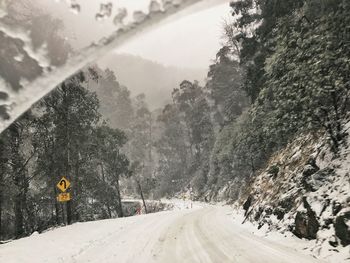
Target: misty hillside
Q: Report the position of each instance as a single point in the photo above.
(266, 132)
(157, 81)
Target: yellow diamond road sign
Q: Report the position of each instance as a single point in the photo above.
(63, 184)
(63, 197)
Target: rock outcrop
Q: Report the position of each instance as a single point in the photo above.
(305, 189)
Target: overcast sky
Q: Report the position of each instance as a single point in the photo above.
(191, 41)
(188, 40)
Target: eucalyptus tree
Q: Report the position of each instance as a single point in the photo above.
(113, 162)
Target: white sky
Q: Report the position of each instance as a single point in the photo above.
(191, 41)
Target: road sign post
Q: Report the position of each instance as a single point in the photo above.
(65, 197)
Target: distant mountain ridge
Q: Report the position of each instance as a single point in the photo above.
(153, 79)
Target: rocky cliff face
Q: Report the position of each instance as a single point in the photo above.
(305, 190)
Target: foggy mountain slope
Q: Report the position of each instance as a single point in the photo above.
(155, 80)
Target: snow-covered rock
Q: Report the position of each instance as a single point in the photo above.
(308, 195)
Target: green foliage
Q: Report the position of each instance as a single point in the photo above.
(224, 87)
(63, 135)
(186, 141)
(295, 70)
(254, 45)
(308, 79)
(273, 170)
(116, 105)
(293, 65)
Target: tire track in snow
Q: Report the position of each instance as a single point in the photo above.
(202, 235)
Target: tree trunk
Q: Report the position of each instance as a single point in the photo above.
(109, 211)
(77, 190)
(57, 208)
(67, 164)
(2, 171)
(142, 197)
(20, 202)
(63, 213)
(69, 212)
(1, 208)
(107, 199)
(119, 199)
(19, 229)
(252, 164)
(150, 140)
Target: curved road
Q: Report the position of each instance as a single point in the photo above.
(206, 234)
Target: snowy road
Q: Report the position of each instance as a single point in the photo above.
(206, 234)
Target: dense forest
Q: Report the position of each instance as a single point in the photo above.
(283, 71)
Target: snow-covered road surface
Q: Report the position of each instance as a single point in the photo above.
(202, 234)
